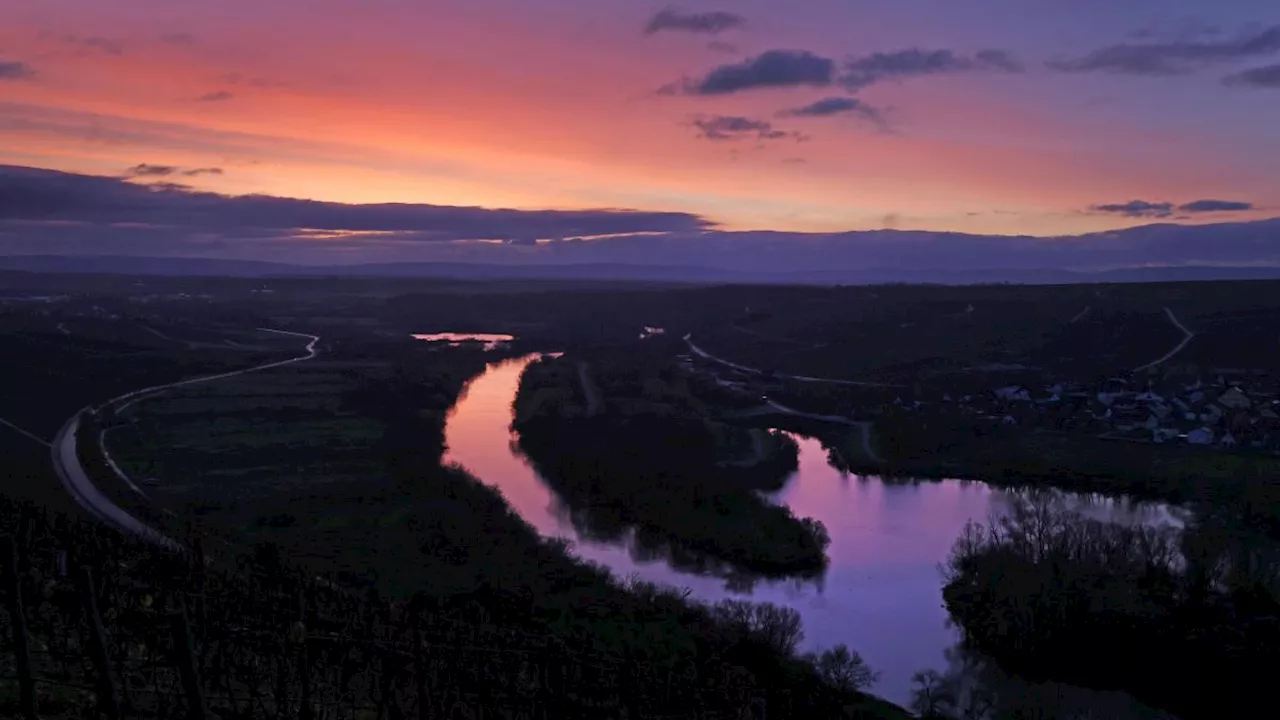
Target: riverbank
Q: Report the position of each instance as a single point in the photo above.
(411, 528)
(1014, 457)
(266, 634)
(1181, 623)
(639, 453)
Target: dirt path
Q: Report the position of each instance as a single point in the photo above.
(799, 378)
(24, 432)
(1187, 337)
(863, 426)
(589, 390)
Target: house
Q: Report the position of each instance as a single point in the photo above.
(1013, 392)
(1235, 399)
(1200, 436)
(1212, 415)
(1115, 385)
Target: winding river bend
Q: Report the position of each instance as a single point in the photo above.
(881, 594)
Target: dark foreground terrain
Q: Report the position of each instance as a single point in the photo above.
(113, 625)
(346, 573)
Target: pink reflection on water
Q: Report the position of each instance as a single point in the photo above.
(881, 594)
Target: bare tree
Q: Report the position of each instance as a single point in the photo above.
(843, 668)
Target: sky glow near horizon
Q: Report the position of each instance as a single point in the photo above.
(996, 117)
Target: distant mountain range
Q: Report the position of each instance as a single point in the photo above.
(200, 267)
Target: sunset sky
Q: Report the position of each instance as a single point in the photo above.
(1002, 117)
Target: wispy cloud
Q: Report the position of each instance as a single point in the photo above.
(802, 68)
(1267, 76)
(833, 106)
(771, 69)
(1148, 209)
(867, 70)
(217, 96)
(1207, 206)
(736, 127)
(707, 23)
(1172, 58)
(14, 70)
(1136, 209)
(149, 170)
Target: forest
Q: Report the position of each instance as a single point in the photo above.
(1163, 614)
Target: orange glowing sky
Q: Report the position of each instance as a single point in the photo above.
(553, 105)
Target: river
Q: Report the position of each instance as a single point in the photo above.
(881, 595)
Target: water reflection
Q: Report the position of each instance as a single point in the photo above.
(881, 594)
(975, 688)
(490, 341)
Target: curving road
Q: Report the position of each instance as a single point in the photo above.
(756, 371)
(66, 461)
(863, 426)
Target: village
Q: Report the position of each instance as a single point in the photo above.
(1221, 408)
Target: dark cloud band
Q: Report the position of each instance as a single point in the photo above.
(1267, 76)
(771, 69)
(28, 194)
(14, 70)
(1172, 58)
(797, 68)
(735, 127)
(1148, 209)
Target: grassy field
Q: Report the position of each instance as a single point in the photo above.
(906, 333)
(228, 449)
(54, 363)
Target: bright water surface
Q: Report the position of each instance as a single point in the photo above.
(490, 340)
(882, 593)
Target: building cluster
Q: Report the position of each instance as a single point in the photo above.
(1223, 408)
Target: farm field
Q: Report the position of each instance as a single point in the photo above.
(906, 333)
(238, 453)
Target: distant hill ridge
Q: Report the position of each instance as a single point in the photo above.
(210, 267)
